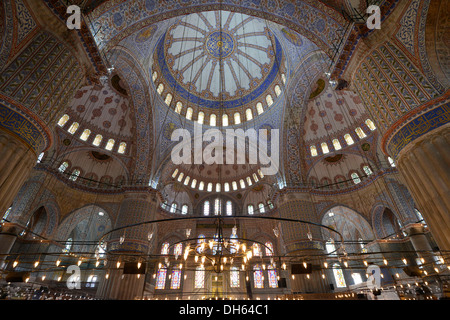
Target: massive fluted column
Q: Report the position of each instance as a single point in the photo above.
(425, 165)
(137, 206)
(299, 206)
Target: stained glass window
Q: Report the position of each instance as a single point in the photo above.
(63, 167)
(370, 124)
(355, 178)
(226, 187)
(233, 240)
(339, 276)
(173, 208)
(391, 162)
(201, 117)
(257, 250)
(212, 120)
(178, 107)
(176, 279)
(367, 170)
(336, 144)
(360, 133)
(184, 209)
(259, 108)
(154, 76)
(234, 185)
(225, 120)
(261, 208)
(258, 278)
(180, 177)
(269, 248)
(178, 250)
(168, 99)
(260, 173)
(272, 273)
(242, 183)
(110, 144)
(189, 112)
(186, 181)
(200, 240)
(218, 187)
(209, 187)
(250, 209)
(324, 147)
(234, 277)
(255, 177)
(161, 278)
(194, 183)
(269, 100)
(277, 90)
(85, 135)
(249, 181)
(160, 88)
(237, 118)
(165, 248)
(248, 114)
(63, 120)
(206, 208)
(201, 186)
(74, 175)
(174, 174)
(313, 151)
(348, 138)
(199, 278)
(98, 139)
(229, 208)
(73, 128)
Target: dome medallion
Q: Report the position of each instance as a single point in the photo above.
(219, 44)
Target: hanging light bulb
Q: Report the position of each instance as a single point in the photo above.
(211, 244)
(79, 262)
(36, 264)
(139, 264)
(203, 259)
(138, 275)
(422, 260)
(107, 276)
(305, 265)
(122, 239)
(43, 277)
(283, 266)
(346, 263)
(118, 264)
(365, 263)
(150, 236)
(59, 278)
(385, 262)
(293, 277)
(436, 269)
(97, 263)
(307, 276)
(196, 258)
(325, 264)
(323, 276)
(15, 263)
(405, 261)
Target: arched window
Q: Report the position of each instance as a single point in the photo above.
(234, 277)
(313, 151)
(201, 186)
(269, 100)
(73, 128)
(269, 248)
(184, 209)
(194, 183)
(92, 279)
(242, 183)
(283, 77)
(199, 277)
(165, 248)
(154, 76)
(270, 204)
(101, 249)
(189, 113)
(168, 99)
(174, 174)
(237, 118)
(250, 209)
(217, 207)
(225, 120)
(367, 170)
(122, 147)
(272, 273)
(277, 90)
(255, 177)
(180, 177)
(186, 181)
(261, 207)
(206, 208)
(85, 135)
(248, 114)
(178, 250)
(161, 278)
(258, 278)
(336, 144)
(173, 207)
(63, 167)
(176, 279)
(234, 185)
(226, 187)
(218, 187)
(355, 178)
(160, 88)
(348, 138)
(338, 276)
(200, 240)
(209, 187)
(229, 208)
(63, 120)
(370, 124)
(233, 240)
(361, 134)
(249, 181)
(259, 108)
(201, 117)
(110, 144)
(212, 120)
(260, 173)
(324, 146)
(330, 247)
(391, 162)
(74, 175)
(98, 139)
(178, 107)
(39, 159)
(257, 250)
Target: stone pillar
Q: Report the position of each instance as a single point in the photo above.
(425, 165)
(299, 206)
(8, 235)
(137, 206)
(419, 241)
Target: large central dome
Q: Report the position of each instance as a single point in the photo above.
(219, 59)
